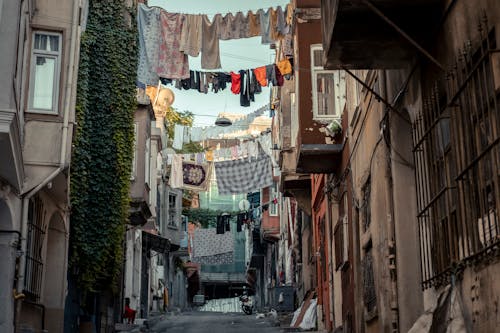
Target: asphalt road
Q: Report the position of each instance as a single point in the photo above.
(214, 322)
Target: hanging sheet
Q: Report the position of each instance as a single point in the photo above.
(244, 175)
(172, 63)
(148, 25)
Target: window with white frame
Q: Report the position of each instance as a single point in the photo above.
(45, 72)
(328, 87)
(274, 198)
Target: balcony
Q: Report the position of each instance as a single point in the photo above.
(11, 167)
(376, 34)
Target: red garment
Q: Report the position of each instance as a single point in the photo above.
(235, 83)
(129, 314)
(260, 75)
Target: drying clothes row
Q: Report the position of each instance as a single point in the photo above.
(166, 39)
(189, 175)
(184, 134)
(246, 83)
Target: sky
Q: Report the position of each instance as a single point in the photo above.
(236, 54)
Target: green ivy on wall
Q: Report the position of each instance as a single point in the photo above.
(102, 150)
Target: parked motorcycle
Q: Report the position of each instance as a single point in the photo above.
(246, 304)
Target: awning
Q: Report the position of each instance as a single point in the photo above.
(156, 243)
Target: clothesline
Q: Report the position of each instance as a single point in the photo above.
(166, 39)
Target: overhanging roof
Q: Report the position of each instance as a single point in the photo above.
(319, 158)
(156, 243)
(11, 165)
(357, 35)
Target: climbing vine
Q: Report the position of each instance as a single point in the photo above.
(102, 150)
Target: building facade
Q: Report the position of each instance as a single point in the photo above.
(39, 64)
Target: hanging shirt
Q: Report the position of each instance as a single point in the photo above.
(260, 75)
(191, 35)
(148, 25)
(225, 28)
(235, 83)
(253, 24)
(172, 63)
(210, 54)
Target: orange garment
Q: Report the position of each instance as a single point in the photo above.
(260, 75)
(235, 83)
(209, 155)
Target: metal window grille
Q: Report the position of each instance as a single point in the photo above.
(369, 294)
(172, 209)
(34, 258)
(457, 155)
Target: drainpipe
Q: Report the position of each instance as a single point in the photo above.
(391, 228)
(26, 195)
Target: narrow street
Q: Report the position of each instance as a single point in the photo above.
(194, 322)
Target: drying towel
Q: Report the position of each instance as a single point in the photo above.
(148, 25)
(172, 63)
(210, 54)
(244, 175)
(190, 42)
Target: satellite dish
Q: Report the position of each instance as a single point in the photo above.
(244, 204)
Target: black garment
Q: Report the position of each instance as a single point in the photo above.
(220, 225)
(255, 87)
(165, 81)
(239, 221)
(246, 93)
(227, 219)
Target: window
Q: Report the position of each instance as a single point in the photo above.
(329, 89)
(274, 196)
(34, 260)
(456, 143)
(341, 235)
(45, 73)
(172, 209)
(147, 162)
(369, 292)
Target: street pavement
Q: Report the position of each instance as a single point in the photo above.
(214, 322)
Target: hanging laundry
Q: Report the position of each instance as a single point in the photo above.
(203, 83)
(240, 26)
(273, 26)
(279, 78)
(265, 25)
(194, 80)
(210, 54)
(240, 218)
(195, 176)
(260, 75)
(243, 175)
(176, 175)
(226, 31)
(245, 89)
(172, 63)
(148, 25)
(281, 27)
(227, 222)
(209, 155)
(255, 87)
(235, 83)
(253, 24)
(178, 136)
(234, 152)
(187, 135)
(196, 134)
(271, 75)
(191, 35)
(220, 227)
